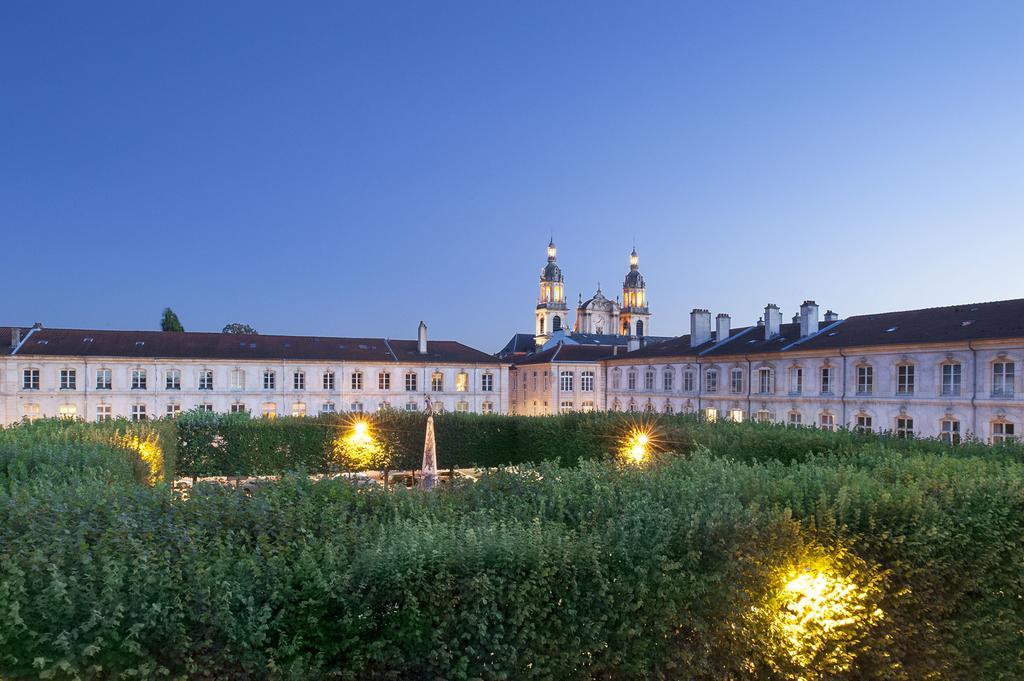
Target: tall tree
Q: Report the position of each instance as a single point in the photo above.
(235, 327)
(170, 321)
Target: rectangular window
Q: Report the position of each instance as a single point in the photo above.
(951, 376)
(104, 379)
(863, 423)
(631, 380)
(172, 380)
(269, 410)
(649, 380)
(328, 380)
(1002, 432)
(688, 381)
(1002, 379)
(104, 412)
(410, 382)
(795, 418)
(736, 381)
(667, 378)
(357, 407)
(616, 380)
(865, 380)
(327, 408)
(587, 406)
(827, 421)
(67, 411)
(356, 380)
(299, 409)
(764, 381)
(138, 412)
(566, 405)
(462, 407)
(384, 381)
(299, 380)
(411, 406)
(461, 382)
(796, 381)
(270, 382)
(207, 407)
(238, 379)
(206, 380)
(238, 408)
(711, 381)
(487, 383)
(68, 379)
(437, 382)
(139, 379)
(173, 410)
(710, 414)
(587, 381)
(950, 431)
(904, 427)
(763, 416)
(487, 408)
(566, 381)
(736, 415)
(30, 379)
(826, 380)
(905, 379)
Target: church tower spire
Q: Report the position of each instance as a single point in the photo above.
(634, 316)
(552, 312)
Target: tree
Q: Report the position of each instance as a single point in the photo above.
(170, 321)
(235, 327)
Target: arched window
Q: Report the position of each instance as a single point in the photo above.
(541, 326)
(556, 323)
(640, 327)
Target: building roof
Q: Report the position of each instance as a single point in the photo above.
(193, 345)
(563, 352)
(520, 343)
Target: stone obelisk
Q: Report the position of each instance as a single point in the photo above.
(428, 474)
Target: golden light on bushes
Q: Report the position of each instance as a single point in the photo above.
(636, 447)
(360, 433)
(148, 449)
(357, 449)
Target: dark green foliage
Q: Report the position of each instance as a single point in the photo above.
(170, 322)
(235, 327)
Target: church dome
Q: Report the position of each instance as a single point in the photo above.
(551, 272)
(634, 280)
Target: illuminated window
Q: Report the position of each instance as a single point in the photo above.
(649, 380)
(410, 382)
(357, 407)
(461, 382)
(796, 380)
(269, 410)
(711, 381)
(139, 379)
(206, 406)
(299, 409)
(437, 382)
(172, 379)
(32, 412)
(951, 376)
(736, 415)
(631, 380)
(905, 379)
(863, 424)
(565, 381)
(173, 410)
(30, 379)
(827, 421)
(70, 411)
(904, 427)
(566, 405)
(1002, 379)
(865, 380)
(238, 408)
(298, 380)
(1002, 432)
(104, 379)
(68, 379)
(104, 412)
(270, 381)
(328, 380)
(487, 382)
(206, 380)
(688, 381)
(667, 378)
(384, 381)
(487, 408)
(587, 381)
(827, 374)
(736, 381)
(763, 416)
(462, 407)
(949, 431)
(795, 418)
(327, 408)
(238, 379)
(138, 412)
(765, 381)
(710, 414)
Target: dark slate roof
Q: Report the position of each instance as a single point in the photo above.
(7, 336)
(191, 345)
(607, 339)
(953, 324)
(520, 343)
(567, 353)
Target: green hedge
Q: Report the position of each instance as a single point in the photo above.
(592, 572)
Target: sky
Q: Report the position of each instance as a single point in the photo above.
(349, 169)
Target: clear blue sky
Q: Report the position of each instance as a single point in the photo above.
(333, 168)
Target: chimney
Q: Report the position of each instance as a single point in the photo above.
(15, 338)
(700, 327)
(722, 322)
(808, 318)
(831, 316)
(796, 318)
(772, 320)
(423, 338)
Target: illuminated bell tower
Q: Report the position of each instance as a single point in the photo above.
(634, 316)
(552, 312)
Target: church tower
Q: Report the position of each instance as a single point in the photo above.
(634, 316)
(552, 312)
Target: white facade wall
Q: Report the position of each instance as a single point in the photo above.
(539, 389)
(17, 403)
